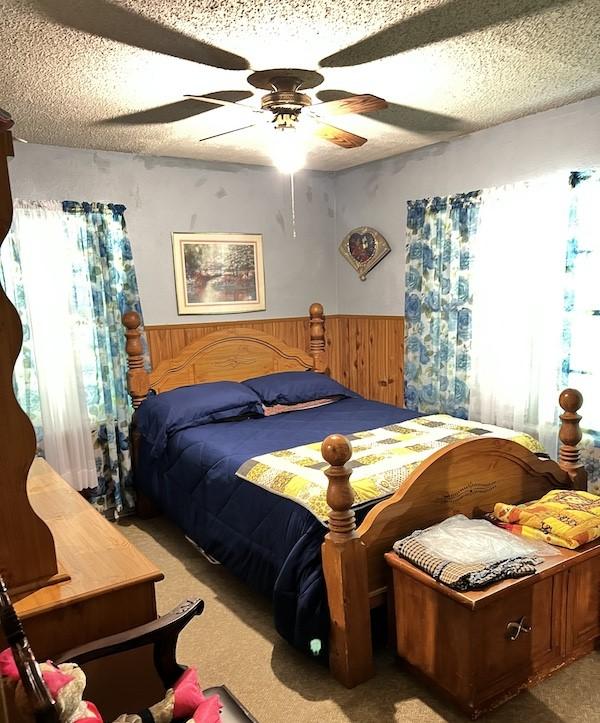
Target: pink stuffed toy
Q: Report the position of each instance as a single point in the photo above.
(186, 701)
(65, 683)
(8, 667)
(209, 711)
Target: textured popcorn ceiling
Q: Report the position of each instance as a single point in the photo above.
(448, 66)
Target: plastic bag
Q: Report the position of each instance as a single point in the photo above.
(460, 539)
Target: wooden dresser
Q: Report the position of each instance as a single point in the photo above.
(111, 586)
(481, 648)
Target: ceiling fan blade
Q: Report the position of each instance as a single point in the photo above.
(212, 99)
(402, 116)
(115, 22)
(451, 19)
(342, 138)
(172, 112)
(352, 104)
(225, 133)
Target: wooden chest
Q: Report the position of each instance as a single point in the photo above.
(481, 648)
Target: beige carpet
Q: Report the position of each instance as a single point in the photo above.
(234, 642)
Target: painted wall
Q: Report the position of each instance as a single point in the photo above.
(375, 194)
(167, 194)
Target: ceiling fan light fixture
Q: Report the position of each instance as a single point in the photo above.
(287, 148)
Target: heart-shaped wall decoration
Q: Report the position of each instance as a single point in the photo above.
(363, 248)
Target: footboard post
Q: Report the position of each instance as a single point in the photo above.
(345, 570)
(569, 457)
(317, 337)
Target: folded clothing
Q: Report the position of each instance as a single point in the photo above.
(567, 518)
(473, 542)
(462, 576)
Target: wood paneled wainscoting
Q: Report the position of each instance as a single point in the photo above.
(366, 353)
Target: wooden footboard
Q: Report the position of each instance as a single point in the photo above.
(468, 478)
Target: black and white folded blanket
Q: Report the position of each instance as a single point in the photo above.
(460, 576)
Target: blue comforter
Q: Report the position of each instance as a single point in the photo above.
(269, 541)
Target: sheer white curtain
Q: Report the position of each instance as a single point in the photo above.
(46, 252)
(518, 278)
(582, 310)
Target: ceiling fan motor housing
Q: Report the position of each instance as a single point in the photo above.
(284, 86)
(285, 101)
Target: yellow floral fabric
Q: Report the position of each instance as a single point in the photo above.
(382, 459)
(562, 517)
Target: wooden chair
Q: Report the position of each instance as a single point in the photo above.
(162, 634)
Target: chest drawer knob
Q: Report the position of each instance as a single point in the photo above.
(513, 630)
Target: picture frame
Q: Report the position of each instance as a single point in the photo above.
(218, 273)
(363, 248)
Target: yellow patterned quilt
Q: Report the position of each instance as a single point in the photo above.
(382, 459)
(567, 518)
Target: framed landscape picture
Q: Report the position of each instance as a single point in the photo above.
(218, 273)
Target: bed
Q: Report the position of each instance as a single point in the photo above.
(324, 579)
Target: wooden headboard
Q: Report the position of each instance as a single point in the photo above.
(232, 355)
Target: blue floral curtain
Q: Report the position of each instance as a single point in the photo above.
(581, 320)
(99, 281)
(104, 287)
(438, 303)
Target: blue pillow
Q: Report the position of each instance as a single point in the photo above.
(160, 416)
(296, 387)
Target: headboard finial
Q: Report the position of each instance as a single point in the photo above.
(138, 379)
(317, 337)
(131, 320)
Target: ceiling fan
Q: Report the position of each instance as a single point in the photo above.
(290, 113)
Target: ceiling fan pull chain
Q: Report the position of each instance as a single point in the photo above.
(293, 205)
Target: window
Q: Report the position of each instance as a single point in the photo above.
(581, 333)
